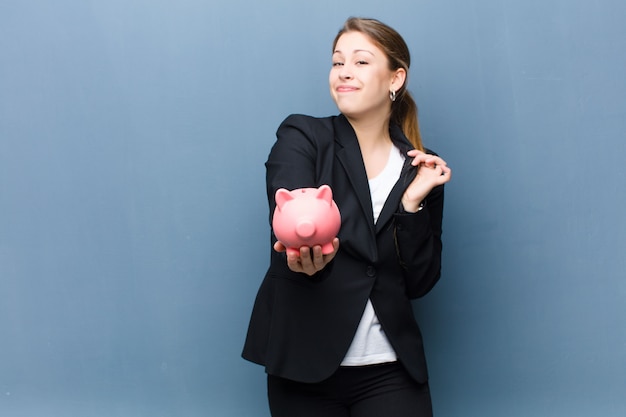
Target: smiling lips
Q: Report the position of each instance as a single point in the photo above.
(346, 89)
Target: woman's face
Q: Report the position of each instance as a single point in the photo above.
(360, 79)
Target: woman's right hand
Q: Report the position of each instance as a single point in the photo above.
(310, 260)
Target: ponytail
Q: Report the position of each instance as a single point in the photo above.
(404, 114)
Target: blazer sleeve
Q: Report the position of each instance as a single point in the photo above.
(293, 159)
(418, 244)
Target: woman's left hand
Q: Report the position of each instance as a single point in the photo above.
(432, 172)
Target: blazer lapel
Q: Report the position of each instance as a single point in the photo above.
(349, 155)
(406, 176)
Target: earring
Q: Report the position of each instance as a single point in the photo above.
(392, 95)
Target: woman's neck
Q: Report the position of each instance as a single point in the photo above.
(374, 142)
(371, 132)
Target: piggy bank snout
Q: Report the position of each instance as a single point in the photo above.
(305, 229)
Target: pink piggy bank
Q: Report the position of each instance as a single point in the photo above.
(306, 217)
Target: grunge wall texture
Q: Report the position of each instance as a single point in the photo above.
(133, 220)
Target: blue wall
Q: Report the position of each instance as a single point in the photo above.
(133, 221)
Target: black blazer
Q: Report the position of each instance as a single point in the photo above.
(301, 327)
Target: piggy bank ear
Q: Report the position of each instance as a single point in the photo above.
(282, 196)
(325, 193)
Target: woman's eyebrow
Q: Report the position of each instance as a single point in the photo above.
(337, 51)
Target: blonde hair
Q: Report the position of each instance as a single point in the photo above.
(404, 108)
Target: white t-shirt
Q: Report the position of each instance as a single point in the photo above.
(370, 344)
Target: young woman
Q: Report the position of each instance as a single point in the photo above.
(336, 333)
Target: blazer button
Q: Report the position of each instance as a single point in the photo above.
(371, 271)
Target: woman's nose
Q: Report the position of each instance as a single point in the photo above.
(345, 75)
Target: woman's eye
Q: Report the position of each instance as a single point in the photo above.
(361, 62)
(336, 64)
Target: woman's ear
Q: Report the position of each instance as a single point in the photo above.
(398, 80)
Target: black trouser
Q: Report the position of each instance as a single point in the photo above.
(384, 390)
